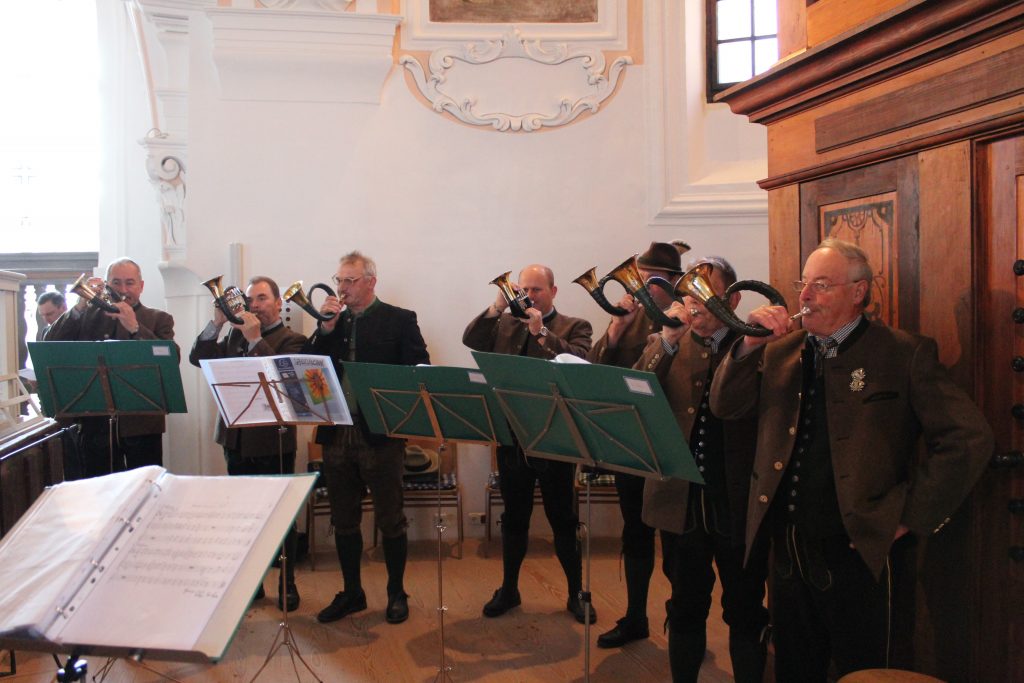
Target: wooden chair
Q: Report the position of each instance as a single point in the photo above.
(492, 496)
(421, 489)
(602, 489)
(319, 506)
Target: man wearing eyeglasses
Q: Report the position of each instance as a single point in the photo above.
(837, 484)
(367, 330)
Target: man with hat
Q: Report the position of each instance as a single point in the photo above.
(545, 334)
(621, 346)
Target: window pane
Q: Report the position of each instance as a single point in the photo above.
(733, 19)
(734, 62)
(49, 128)
(766, 53)
(765, 18)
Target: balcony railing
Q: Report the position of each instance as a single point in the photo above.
(43, 272)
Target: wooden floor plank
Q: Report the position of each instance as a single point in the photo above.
(539, 641)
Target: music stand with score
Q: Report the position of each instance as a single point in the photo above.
(441, 404)
(596, 416)
(286, 400)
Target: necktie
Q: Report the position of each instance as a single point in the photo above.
(823, 348)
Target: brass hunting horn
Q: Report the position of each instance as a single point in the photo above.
(103, 300)
(696, 283)
(628, 275)
(230, 301)
(517, 300)
(296, 295)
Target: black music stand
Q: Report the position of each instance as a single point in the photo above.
(290, 403)
(595, 416)
(438, 404)
(108, 379)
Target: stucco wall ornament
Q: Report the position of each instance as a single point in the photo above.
(513, 84)
(167, 175)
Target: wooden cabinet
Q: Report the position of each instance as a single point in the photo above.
(906, 134)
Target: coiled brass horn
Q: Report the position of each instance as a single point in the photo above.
(696, 283)
(595, 288)
(103, 300)
(296, 295)
(628, 275)
(517, 300)
(230, 301)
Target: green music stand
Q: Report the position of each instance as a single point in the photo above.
(108, 379)
(592, 415)
(428, 402)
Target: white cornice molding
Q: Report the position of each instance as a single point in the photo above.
(581, 87)
(162, 29)
(302, 55)
(675, 122)
(609, 32)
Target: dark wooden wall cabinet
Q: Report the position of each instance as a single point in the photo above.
(905, 133)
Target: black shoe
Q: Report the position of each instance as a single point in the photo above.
(342, 605)
(260, 593)
(625, 631)
(501, 602)
(575, 605)
(290, 598)
(398, 608)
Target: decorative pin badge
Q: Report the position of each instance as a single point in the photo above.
(857, 377)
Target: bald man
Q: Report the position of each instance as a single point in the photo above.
(140, 437)
(545, 333)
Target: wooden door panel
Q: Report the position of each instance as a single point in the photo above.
(877, 208)
(999, 580)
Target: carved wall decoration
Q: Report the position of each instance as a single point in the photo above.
(514, 84)
(167, 175)
(870, 223)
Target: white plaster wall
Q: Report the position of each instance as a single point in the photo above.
(443, 207)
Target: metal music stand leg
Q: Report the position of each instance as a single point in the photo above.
(585, 593)
(108, 665)
(110, 442)
(284, 636)
(443, 668)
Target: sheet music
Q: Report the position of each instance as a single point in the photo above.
(175, 565)
(305, 389)
(245, 403)
(45, 554)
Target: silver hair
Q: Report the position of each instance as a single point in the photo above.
(860, 266)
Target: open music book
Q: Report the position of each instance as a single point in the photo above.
(299, 389)
(142, 562)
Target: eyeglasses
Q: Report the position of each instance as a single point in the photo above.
(347, 281)
(818, 286)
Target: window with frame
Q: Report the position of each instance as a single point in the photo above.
(742, 41)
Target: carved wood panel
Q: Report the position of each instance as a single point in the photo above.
(870, 223)
(876, 208)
